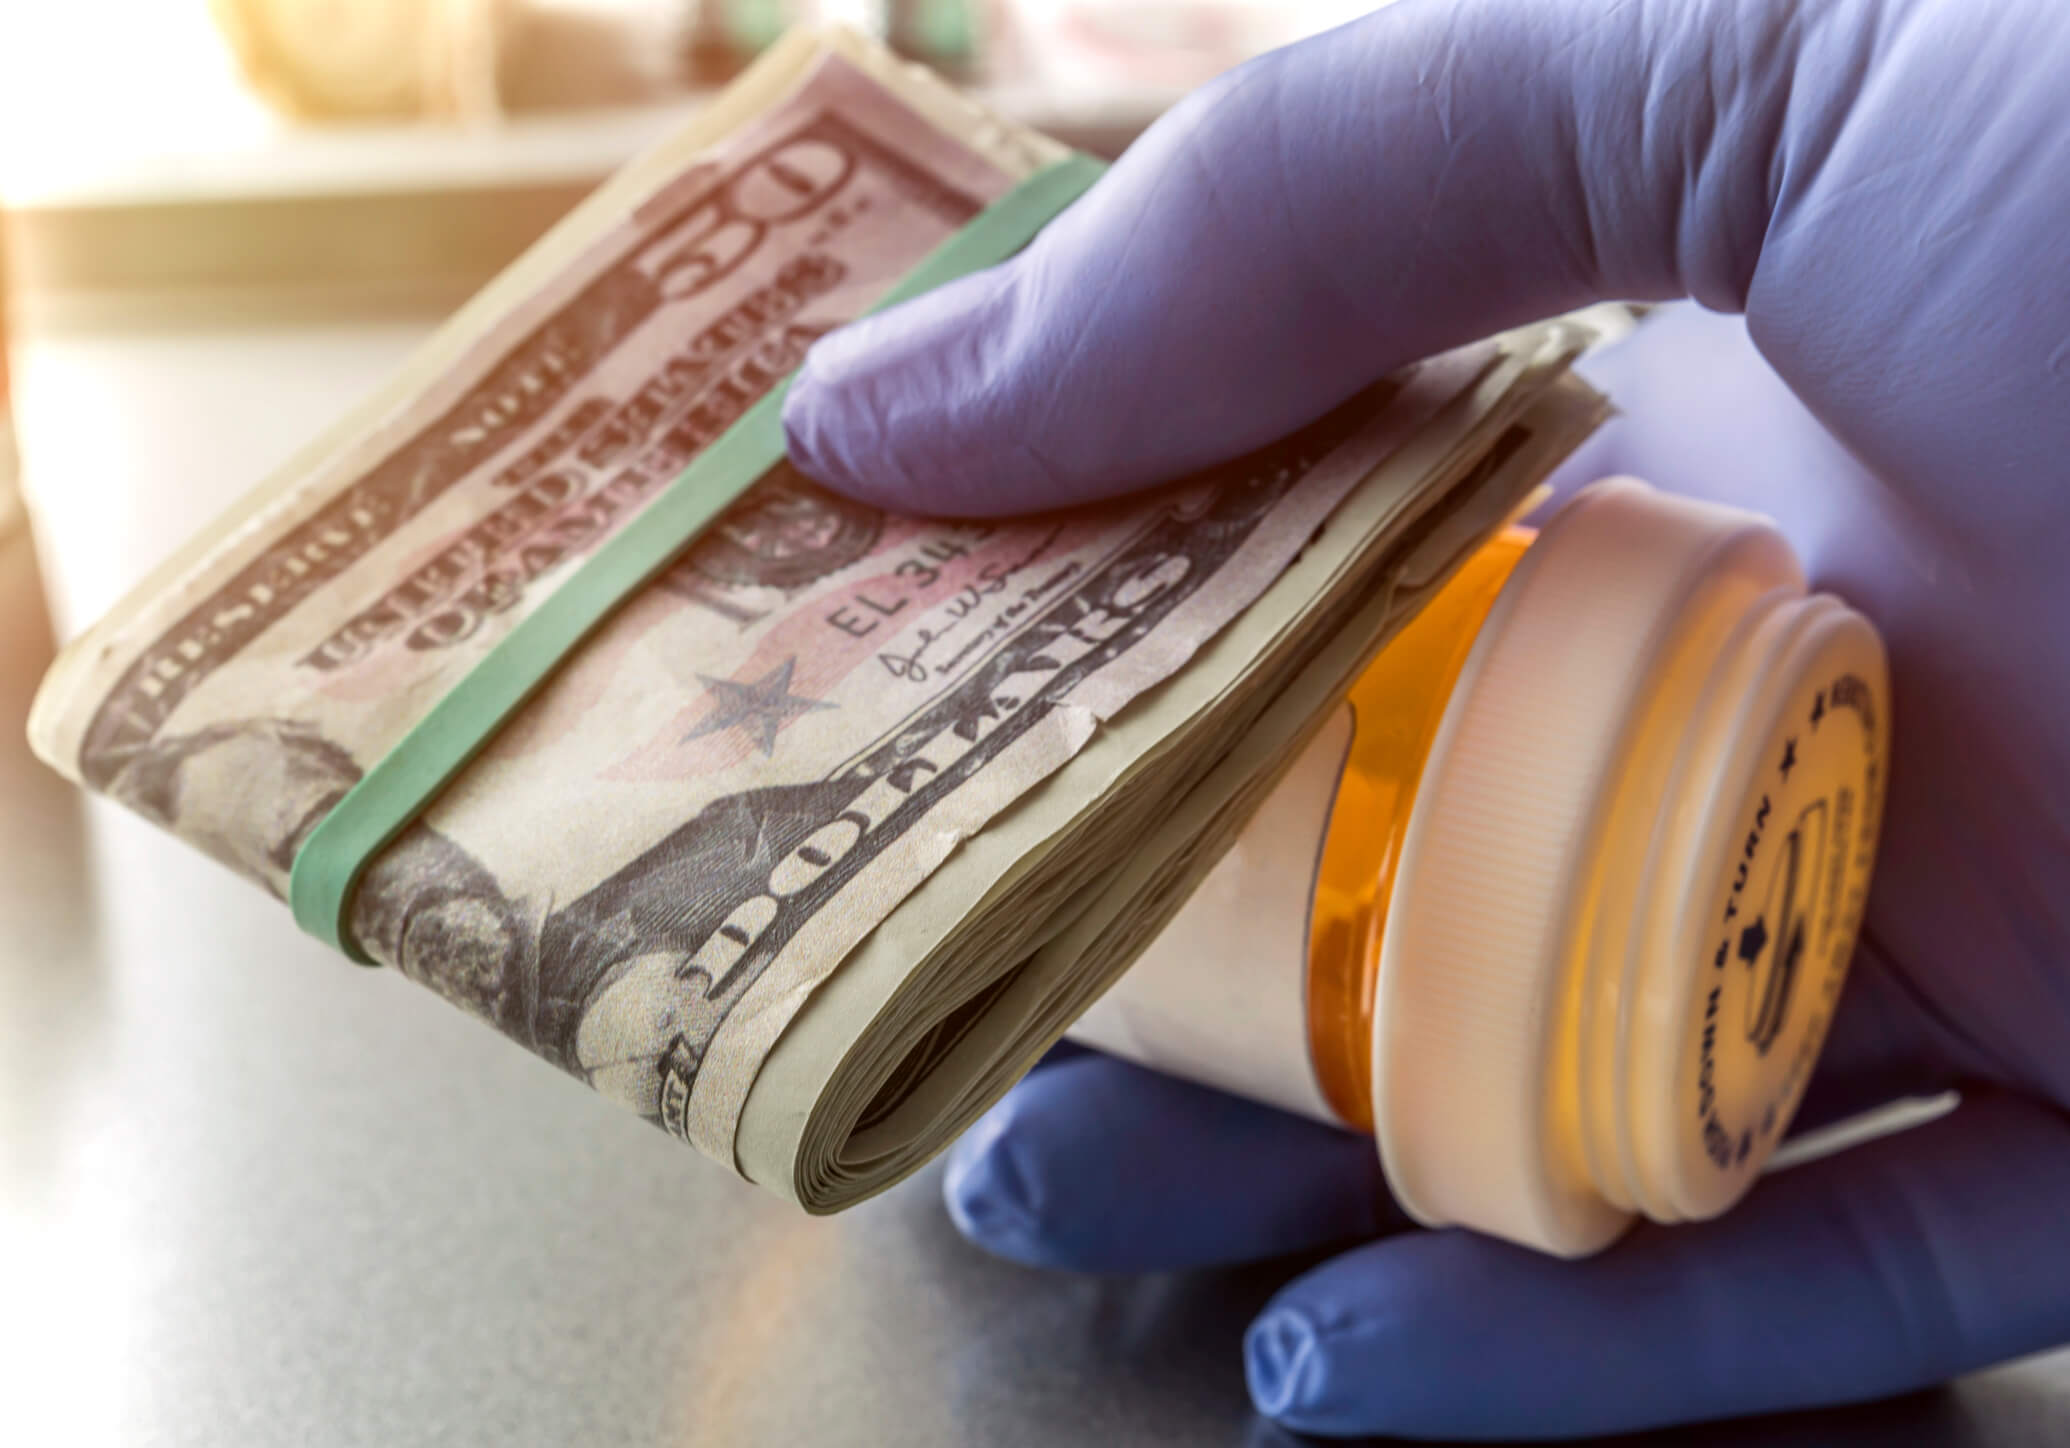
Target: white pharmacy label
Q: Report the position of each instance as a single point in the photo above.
(1221, 996)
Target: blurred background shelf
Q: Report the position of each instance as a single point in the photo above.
(158, 162)
(398, 214)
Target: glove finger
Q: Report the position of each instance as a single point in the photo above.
(1097, 1164)
(1887, 1268)
(1308, 223)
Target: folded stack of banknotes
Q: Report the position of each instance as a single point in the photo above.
(826, 832)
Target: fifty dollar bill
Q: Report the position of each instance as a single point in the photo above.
(826, 835)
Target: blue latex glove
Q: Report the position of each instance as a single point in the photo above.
(1883, 188)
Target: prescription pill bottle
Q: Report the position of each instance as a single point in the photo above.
(1558, 902)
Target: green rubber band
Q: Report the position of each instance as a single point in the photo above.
(402, 784)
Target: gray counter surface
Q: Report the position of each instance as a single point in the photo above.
(251, 1195)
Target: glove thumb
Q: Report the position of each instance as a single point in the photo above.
(1886, 1268)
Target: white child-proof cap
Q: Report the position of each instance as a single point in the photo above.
(1632, 879)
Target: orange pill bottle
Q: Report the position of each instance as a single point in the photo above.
(1558, 902)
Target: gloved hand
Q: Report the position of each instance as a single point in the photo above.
(1880, 186)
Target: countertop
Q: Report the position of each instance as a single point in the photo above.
(252, 1195)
